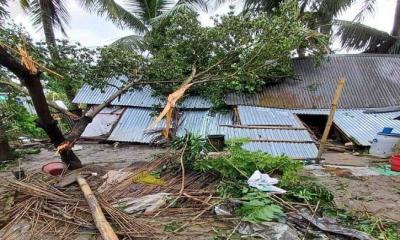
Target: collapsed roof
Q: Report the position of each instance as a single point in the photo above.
(274, 129)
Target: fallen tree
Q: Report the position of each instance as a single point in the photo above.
(32, 83)
(239, 54)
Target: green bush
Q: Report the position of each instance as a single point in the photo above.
(17, 120)
(241, 164)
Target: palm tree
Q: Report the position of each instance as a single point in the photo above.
(316, 14)
(355, 35)
(53, 14)
(149, 11)
(3, 11)
(352, 34)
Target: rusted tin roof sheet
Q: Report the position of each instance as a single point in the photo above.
(371, 81)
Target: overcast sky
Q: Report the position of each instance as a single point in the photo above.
(91, 30)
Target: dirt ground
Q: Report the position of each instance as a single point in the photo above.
(361, 190)
(107, 155)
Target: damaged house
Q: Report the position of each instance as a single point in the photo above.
(281, 119)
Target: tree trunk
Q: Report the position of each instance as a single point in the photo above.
(45, 120)
(48, 29)
(5, 149)
(396, 23)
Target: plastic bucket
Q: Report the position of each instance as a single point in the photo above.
(395, 163)
(54, 168)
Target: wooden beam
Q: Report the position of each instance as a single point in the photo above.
(100, 220)
(331, 116)
(264, 127)
(280, 141)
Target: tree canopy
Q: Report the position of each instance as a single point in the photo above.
(241, 53)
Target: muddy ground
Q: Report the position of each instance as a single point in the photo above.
(110, 156)
(378, 195)
(361, 191)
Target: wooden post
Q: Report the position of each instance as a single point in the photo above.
(102, 224)
(331, 116)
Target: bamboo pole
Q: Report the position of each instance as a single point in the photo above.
(331, 116)
(100, 220)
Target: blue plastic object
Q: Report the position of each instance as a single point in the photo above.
(387, 130)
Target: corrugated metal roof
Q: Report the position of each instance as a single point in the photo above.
(293, 150)
(266, 134)
(102, 123)
(371, 81)
(203, 123)
(362, 127)
(139, 97)
(267, 116)
(357, 125)
(132, 126)
(294, 143)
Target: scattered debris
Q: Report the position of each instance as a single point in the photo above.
(182, 194)
(113, 177)
(330, 225)
(264, 183)
(268, 231)
(147, 204)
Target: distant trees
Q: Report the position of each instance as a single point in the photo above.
(355, 35)
(322, 15)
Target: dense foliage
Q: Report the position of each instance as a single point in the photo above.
(241, 164)
(16, 120)
(241, 53)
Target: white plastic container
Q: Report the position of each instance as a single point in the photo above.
(383, 144)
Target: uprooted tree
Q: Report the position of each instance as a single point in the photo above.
(241, 53)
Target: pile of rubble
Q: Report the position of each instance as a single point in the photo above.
(155, 200)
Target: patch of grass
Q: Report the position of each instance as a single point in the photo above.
(310, 192)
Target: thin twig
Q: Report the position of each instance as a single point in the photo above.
(234, 230)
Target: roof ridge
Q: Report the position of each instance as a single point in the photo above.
(351, 55)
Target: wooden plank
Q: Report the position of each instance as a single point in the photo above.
(264, 127)
(280, 141)
(100, 220)
(331, 116)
